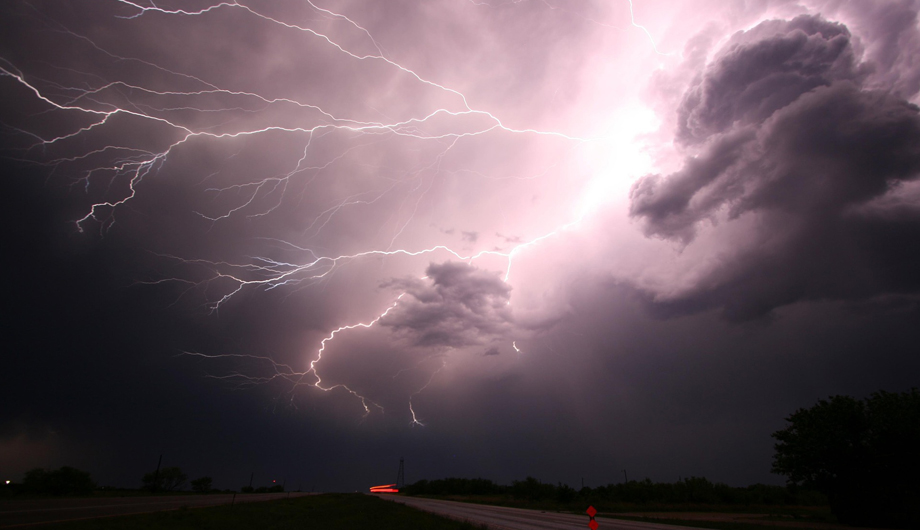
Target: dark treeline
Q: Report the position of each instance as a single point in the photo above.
(693, 490)
(63, 481)
(69, 481)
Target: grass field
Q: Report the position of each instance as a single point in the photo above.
(332, 511)
(803, 513)
(713, 525)
(773, 516)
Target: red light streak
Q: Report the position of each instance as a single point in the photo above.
(386, 488)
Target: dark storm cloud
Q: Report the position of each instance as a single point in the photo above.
(509, 239)
(763, 70)
(791, 135)
(892, 43)
(97, 320)
(456, 305)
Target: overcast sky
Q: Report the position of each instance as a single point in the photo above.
(497, 238)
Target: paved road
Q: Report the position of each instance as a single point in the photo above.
(32, 512)
(501, 518)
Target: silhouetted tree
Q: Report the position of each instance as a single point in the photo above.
(454, 486)
(168, 479)
(532, 489)
(693, 490)
(201, 485)
(863, 454)
(64, 481)
(565, 494)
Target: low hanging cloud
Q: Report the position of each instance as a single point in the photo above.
(456, 305)
(794, 133)
(892, 42)
(491, 351)
(763, 70)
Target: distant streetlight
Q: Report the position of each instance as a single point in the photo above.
(7, 481)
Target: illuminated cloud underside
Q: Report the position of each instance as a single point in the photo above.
(430, 179)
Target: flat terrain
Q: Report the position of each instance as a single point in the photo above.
(329, 511)
(504, 518)
(727, 521)
(14, 513)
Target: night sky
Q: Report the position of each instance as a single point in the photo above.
(497, 238)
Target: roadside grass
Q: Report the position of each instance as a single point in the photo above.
(774, 515)
(822, 513)
(713, 525)
(771, 515)
(779, 512)
(331, 511)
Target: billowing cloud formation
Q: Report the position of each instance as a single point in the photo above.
(764, 70)
(892, 43)
(795, 140)
(236, 180)
(455, 305)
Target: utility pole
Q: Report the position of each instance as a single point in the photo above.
(400, 477)
(156, 476)
(250, 478)
(625, 476)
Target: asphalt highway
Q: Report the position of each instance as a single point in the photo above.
(502, 518)
(33, 512)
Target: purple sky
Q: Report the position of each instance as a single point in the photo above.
(498, 238)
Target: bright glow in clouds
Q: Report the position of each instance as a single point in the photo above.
(619, 160)
(413, 186)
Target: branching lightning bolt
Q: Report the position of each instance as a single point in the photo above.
(133, 165)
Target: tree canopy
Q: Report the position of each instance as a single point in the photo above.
(64, 481)
(167, 479)
(862, 453)
(689, 490)
(201, 485)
